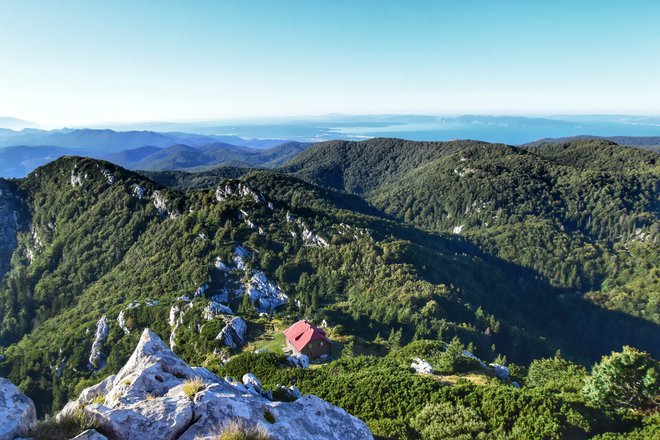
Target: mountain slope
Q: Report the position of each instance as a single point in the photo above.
(569, 211)
(107, 253)
(204, 157)
(651, 142)
(126, 158)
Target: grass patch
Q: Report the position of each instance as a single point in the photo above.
(239, 430)
(476, 378)
(271, 340)
(99, 400)
(192, 386)
(65, 427)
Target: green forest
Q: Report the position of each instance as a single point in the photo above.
(544, 259)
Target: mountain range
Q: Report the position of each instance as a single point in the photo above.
(23, 151)
(518, 252)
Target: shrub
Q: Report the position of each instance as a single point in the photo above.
(556, 374)
(451, 422)
(626, 380)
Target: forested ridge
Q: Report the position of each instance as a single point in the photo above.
(579, 213)
(555, 256)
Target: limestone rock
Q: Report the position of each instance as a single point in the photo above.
(421, 366)
(299, 360)
(109, 177)
(139, 192)
(237, 189)
(152, 398)
(96, 359)
(90, 434)
(159, 203)
(233, 333)
(501, 372)
(121, 321)
(264, 294)
(17, 412)
(214, 309)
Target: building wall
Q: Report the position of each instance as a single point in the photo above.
(290, 347)
(314, 349)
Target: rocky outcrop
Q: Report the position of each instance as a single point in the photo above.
(158, 396)
(421, 366)
(109, 177)
(264, 294)
(121, 321)
(139, 192)
(501, 372)
(159, 203)
(17, 412)
(311, 238)
(236, 189)
(96, 358)
(240, 256)
(299, 360)
(176, 319)
(76, 179)
(233, 333)
(214, 309)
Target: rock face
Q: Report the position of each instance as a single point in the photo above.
(96, 359)
(17, 412)
(233, 333)
(158, 396)
(263, 293)
(214, 309)
(159, 203)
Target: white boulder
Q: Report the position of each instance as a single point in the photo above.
(139, 191)
(501, 372)
(421, 366)
(17, 412)
(121, 321)
(299, 360)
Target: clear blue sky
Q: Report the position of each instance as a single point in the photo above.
(71, 62)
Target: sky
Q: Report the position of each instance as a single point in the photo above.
(82, 62)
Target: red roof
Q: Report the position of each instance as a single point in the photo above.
(302, 333)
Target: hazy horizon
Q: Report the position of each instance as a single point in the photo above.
(81, 63)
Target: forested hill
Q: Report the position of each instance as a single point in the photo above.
(584, 214)
(102, 252)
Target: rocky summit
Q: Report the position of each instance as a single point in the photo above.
(156, 395)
